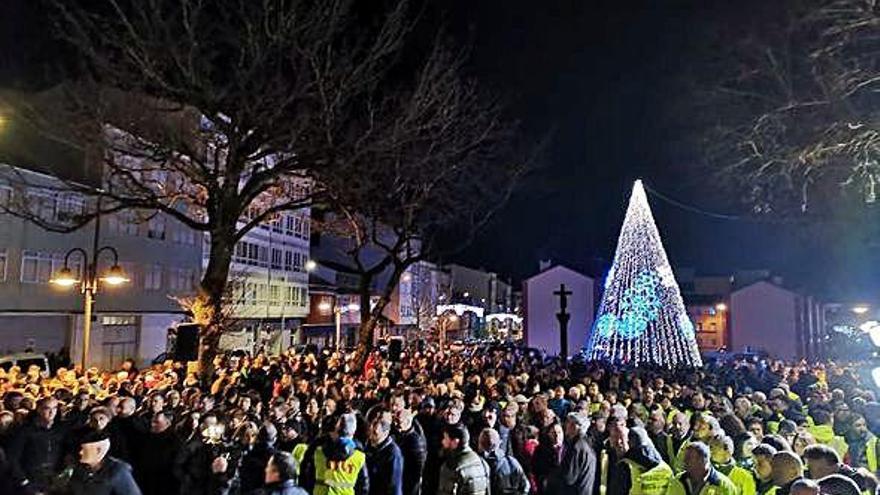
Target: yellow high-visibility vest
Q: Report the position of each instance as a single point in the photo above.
(654, 481)
(337, 477)
(871, 454)
(298, 453)
(743, 479)
(676, 457)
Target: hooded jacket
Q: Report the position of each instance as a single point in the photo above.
(507, 475)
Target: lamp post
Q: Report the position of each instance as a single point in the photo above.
(89, 285)
(338, 310)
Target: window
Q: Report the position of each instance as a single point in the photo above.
(3, 262)
(289, 222)
(70, 208)
(37, 267)
(5, 196)
(274, 295)
(124, 222)
(276, 258)
(118, 321)
(41, 205)
(181, 279)
(156, 228)
(288, 261)
(153, 277)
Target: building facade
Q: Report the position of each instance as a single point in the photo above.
(766, 317)
(269, 274)
(542, 303)
(160, 256)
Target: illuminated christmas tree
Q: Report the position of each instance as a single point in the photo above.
(641, 319)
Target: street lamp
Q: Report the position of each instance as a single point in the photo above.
(721, 307)
(88, 285)
(338, 310)
(860, 309)
(311, 265)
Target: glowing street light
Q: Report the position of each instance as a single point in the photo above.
(89, 284)
(338, 310)
(721, 307)
(115, 276)
(311, 265)
(860, 309)
(64, 278)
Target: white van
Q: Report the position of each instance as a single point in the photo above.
(25, 360)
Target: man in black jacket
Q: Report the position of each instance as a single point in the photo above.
(577, 471)
(99, 474)
(411, 439)
(384, 460)
(155, 459)
(36, 451)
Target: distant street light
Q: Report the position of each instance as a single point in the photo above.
(311, 265)
(338, 310)
(721, 307)
(860, 309)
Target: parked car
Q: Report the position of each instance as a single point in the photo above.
(24, 360)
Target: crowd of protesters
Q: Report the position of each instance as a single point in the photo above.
(478, 421)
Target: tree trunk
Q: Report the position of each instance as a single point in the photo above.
(370, 316)
(211, 296)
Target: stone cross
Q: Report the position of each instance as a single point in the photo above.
(563, 316)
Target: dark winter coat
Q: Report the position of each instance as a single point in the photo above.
(155, 464)
(577, 472)
(508, 476)
(112, 478)
(36, 453)
(414, 448)
(192, 467)
(251, 471)
(385, 464)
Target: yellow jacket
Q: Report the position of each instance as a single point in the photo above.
(716, 484)
(654, 481)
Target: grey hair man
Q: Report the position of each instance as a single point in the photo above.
(508, 476)
(577, 471)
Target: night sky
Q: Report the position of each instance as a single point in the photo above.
(610, 79)
(609, 82)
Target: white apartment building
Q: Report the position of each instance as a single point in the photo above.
(270, 277)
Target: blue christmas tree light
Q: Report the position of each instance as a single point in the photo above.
(642, 319)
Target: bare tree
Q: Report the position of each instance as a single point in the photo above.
(446, 164)
(795, 108)
(218, 114)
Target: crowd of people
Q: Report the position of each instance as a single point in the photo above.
(478, 421)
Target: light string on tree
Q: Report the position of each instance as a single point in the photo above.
(642, 318)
